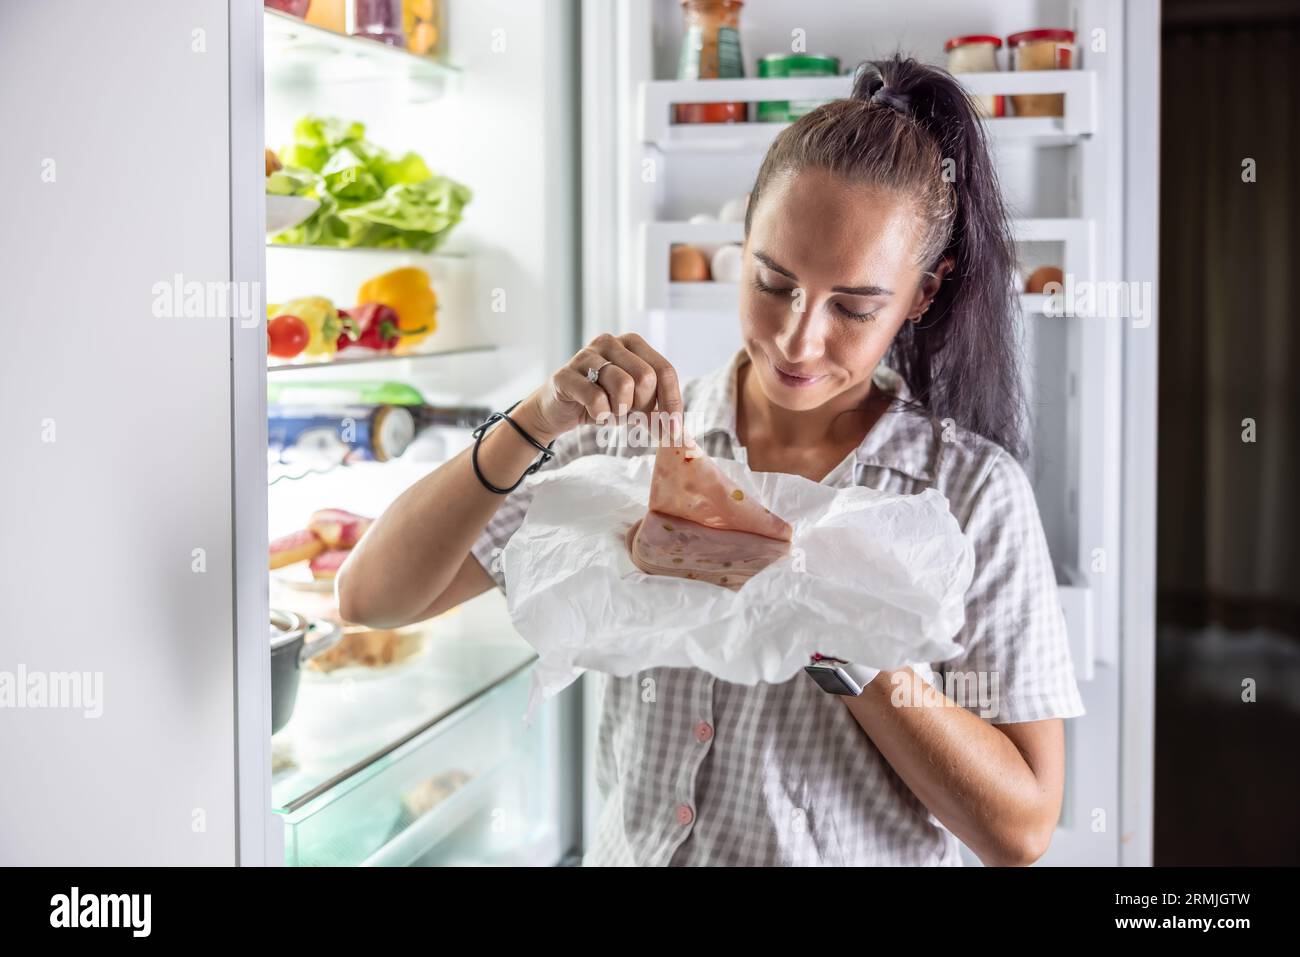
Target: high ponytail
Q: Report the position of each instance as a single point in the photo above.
(911, 129)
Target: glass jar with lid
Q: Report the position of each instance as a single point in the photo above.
(977, 53)
(1041, 50)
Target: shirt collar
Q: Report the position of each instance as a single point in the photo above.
(901, 440)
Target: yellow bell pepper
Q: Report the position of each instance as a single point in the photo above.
(408, 292)
(322, 322)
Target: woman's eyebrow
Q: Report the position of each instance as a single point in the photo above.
(848, 290)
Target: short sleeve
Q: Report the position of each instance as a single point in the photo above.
(1015, 662)
(491, 542)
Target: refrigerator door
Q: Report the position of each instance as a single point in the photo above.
(124, 518)
(428, 760)
(1082, 198)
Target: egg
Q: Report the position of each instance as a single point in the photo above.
(726, 264)
(687, 264)
(1040, 278)
(733, 210)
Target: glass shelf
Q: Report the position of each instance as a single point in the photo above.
(300, 53)
(349, 721)
(379, 359)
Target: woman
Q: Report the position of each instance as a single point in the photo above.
(875, 228)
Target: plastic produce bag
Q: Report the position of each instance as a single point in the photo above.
(871, 577)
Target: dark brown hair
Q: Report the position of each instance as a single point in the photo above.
(911, 129)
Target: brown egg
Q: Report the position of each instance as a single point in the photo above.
(688, 264)
(1040, 277)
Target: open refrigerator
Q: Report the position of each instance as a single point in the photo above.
(144, 165)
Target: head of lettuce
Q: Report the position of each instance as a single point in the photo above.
(367, 196)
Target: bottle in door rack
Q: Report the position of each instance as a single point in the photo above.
(711, 51)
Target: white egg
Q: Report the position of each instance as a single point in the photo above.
(725, 265)
(733, 210)
(702, 219)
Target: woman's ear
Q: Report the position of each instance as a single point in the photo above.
(929, 288)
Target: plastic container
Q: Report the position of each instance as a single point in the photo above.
(1041, 50)
(711, 51)
(376, 20)
(788, 65)
(977, 53)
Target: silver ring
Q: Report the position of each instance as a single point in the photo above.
(593, 373)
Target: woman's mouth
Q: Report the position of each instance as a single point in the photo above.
(795, 380)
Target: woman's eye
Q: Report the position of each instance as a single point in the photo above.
(770, 290)
(855, 316)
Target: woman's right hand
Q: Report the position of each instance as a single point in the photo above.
(633, 378)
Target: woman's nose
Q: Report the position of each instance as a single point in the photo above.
(801, 335)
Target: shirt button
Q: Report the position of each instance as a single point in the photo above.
(684, 815)
(703, 732)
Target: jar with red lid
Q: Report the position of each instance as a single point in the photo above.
(1041, 50)
(977, 53)
(711, 51)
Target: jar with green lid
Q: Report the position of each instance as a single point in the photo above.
(792, 65)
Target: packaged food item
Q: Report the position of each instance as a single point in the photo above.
(375, 19)
(711, 51)
(1041, 50)
(977, 53)
(788, 65)
(347, 433)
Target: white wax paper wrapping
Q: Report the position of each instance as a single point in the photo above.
(872, 577)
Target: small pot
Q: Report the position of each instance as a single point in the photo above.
(289, 649)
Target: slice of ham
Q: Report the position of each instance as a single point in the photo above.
(701, 526)
(687, 484)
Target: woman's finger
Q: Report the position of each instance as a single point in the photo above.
(574, 386)
(640, 374)
(667, 389)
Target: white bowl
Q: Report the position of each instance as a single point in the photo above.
(285, 212)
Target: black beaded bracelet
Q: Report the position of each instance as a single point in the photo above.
(546, 450)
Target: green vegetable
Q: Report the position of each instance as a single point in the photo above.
(356, 393)
(368, 197)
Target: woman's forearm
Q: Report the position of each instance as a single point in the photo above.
(412, 552)
(969, 774)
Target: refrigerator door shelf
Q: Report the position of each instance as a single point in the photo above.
(657, 98)
(1071, 242)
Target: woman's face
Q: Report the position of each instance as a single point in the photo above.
(829, 277)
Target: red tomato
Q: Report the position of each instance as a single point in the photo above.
(286, 336)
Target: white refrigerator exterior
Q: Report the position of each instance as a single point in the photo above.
(135, 479)
(1082, 192)
(128, 507)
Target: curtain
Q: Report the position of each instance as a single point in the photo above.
(1229, 522)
